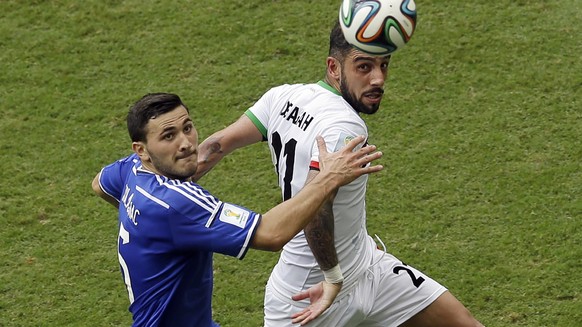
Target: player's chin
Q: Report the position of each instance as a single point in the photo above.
(188, 169)
(371, 108)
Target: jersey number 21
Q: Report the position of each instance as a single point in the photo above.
(289, 154)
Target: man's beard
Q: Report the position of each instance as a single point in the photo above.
(356, 104)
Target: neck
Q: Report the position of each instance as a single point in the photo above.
(333, 83)
(149, 167)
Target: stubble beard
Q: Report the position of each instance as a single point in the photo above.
(170, 171)
(355, 103)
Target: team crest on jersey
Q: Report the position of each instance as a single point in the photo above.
(234, 215)
(343, 140)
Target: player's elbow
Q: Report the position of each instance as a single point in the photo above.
(95, 186)
(272, 242)
(271, 247)
(277, 244)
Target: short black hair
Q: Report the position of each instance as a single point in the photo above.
(338, 46)
(149, 106)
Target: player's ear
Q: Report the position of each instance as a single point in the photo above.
(140, 149)
(333, 68)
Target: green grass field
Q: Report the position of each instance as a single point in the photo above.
(480, 126)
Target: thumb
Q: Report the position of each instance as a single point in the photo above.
(321, 144)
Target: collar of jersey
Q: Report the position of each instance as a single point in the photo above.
(328, 87)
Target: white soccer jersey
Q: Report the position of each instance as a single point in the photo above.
(290, 117)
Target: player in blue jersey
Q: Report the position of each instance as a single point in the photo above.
(169, 226)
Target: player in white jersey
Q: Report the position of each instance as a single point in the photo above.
(169, 227)
(292, 116)
(335, 252)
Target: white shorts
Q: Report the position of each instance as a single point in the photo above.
(387, 294)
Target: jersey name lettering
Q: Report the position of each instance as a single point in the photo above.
(296, 116)
(132, 211)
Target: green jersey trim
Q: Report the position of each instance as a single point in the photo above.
(328, 87)
(257, 123)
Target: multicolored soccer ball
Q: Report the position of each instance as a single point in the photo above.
(378, 27)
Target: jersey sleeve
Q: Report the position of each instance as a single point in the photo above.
(337, 137)
(259, 113)
(114, 176)
(206, 224)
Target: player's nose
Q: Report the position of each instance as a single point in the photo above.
(186, 144)
(378, 77)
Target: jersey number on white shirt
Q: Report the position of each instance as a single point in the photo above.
(289, 154)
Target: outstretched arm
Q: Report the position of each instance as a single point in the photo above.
(284, 221)
(241, 133)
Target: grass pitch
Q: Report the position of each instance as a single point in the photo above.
(480, 127)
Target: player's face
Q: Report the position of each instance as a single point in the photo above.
(362, 80)
(172, 145)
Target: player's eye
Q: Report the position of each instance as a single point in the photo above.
(188, 128)
(364, 67)
(168, 136)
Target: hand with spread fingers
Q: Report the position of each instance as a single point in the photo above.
(321, 296)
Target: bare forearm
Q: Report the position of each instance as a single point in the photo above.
(239, 134)
(320, 237)
(284, 221)
(210, 152)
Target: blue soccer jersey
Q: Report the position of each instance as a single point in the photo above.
(168, 231)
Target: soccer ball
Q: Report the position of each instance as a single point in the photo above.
(378, 27)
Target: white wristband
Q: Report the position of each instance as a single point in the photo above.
(334, 275)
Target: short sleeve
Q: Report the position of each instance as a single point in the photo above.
(222, 228)
(336, 138)
(260, 112)
(114, 176)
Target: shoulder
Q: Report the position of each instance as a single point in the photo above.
(288, 87)
(120, 169)
(181, 196)
(286, 90)
(337, 112)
